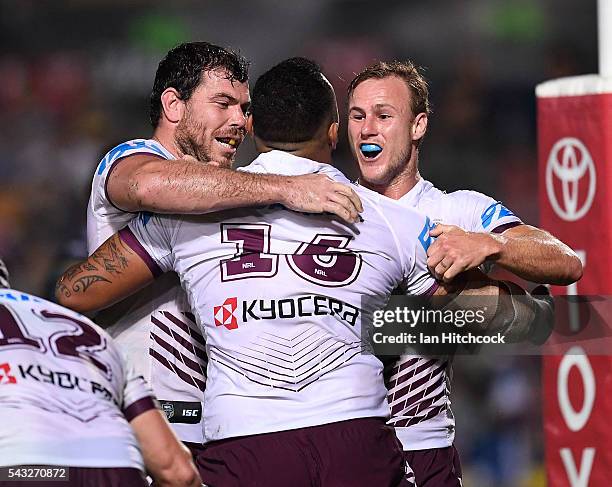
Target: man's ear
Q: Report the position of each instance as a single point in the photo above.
(419, 126)
(173, 108)
(249, 125)
(332, 135)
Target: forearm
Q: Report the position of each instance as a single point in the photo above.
(110, 274)
(166, 459)
(535, 255)
(186, 186)
(505, 307)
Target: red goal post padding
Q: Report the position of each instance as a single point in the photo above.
(575, 191)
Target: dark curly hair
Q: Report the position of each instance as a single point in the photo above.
(182, 70)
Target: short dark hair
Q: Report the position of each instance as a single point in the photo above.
(183, 66)
(292, 101)
(405, 70)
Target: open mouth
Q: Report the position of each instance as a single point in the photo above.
(370, 151)
(228, 142)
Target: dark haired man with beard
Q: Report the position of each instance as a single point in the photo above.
(388, 112)
(198, 110)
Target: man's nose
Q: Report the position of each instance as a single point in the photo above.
(369, 127)
(238, 118)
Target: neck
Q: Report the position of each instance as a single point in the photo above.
(312, 149)
(166, 138)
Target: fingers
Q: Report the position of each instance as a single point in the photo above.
(440, 228)
(435, 254)
(339, 210)
(453, 271)
(441, 267)
(347, 204)
(447, 269)
(319, 193)
(350, 193)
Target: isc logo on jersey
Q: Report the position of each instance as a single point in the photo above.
(232, 312)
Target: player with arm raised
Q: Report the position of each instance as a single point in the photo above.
(68, 401)
(198, 111)
(388, 111)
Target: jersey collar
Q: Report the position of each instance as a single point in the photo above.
(413, 196)
(286, 164)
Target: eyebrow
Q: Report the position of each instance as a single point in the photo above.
(381, 106)
(225, 95)
(378, 106)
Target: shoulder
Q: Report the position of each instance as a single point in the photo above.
(401, 220)
(468, 195)
(129, 148)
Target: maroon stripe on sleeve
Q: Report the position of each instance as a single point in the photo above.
(505, 226)
(132, 242)
(138, 407)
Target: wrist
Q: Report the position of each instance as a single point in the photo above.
(494, 246)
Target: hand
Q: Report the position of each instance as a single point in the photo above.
(455, 251)
(317, 193)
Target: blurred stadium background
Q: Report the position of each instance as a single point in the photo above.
(75, 77)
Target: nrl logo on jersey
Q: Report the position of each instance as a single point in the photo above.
(279, 309)
(168, 409)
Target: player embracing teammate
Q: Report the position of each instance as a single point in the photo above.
(387, 121)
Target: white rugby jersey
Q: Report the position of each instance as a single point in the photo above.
(65, 395)
(155, 329)
(279, 296)
(419, 387)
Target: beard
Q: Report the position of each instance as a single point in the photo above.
(189, 138)
(186, 138)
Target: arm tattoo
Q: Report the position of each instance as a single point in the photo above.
(110, 258)
(81, 284)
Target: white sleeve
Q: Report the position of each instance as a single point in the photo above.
(152, 237)
(419, 280)
(481, 213)
(101, 205)
(137, 396)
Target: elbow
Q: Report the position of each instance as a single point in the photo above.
(70, 298)
(575, 270)
(570, 272)
(134, 192)
(63, 295)
(65, 299)
(136, 195)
